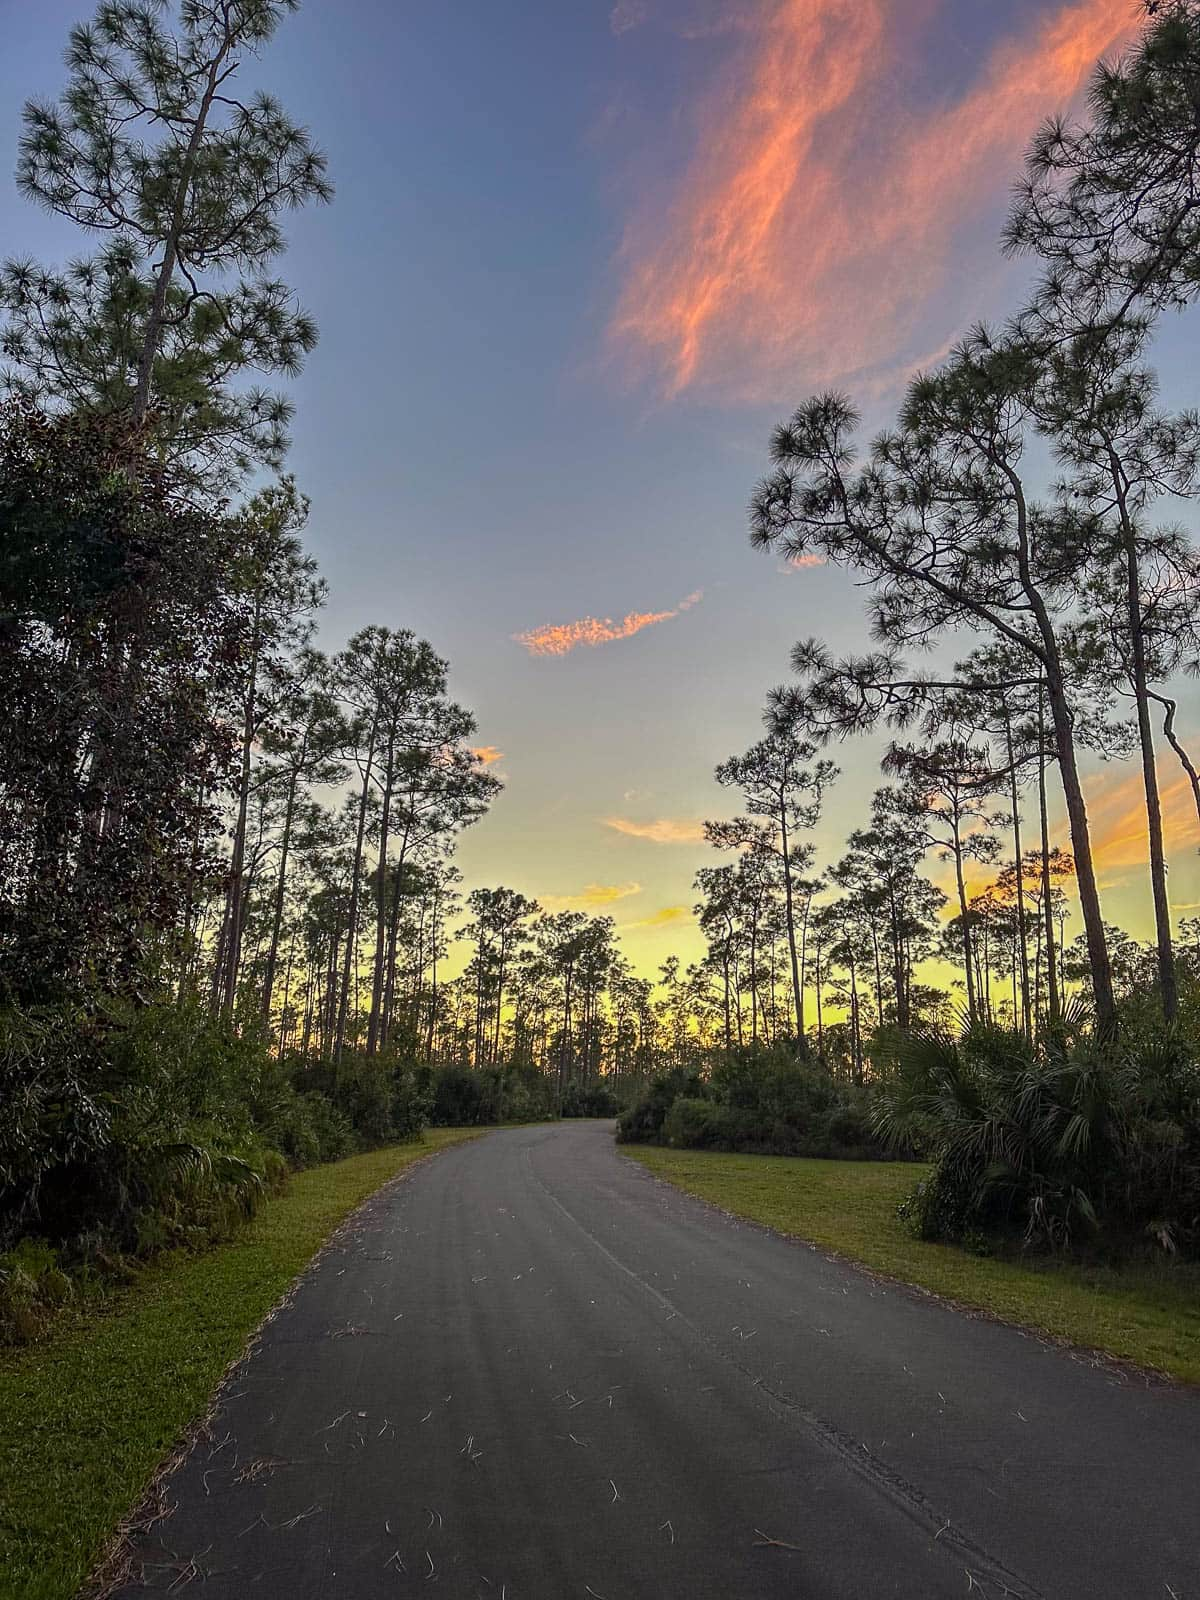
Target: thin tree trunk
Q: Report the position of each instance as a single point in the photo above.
(433, 983)
(377, 972)
(1022, 932)
(1053, 996)
(355, 881)
(280, 892)
(233, 945)
(964, 917)
(1062, 723)
(1168, 981)
(797, 988)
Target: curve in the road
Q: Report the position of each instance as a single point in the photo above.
(531, 1371)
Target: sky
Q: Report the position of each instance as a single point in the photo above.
(582, 257)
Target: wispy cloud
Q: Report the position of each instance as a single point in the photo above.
(487, 754)
(595, 897)
(800, 563)
(560, 638)
(663, 830)
(810, 233)
(663, 918)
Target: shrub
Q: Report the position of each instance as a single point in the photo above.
(471, 1097)
(463, 1098)
(1068, 1139)
(771, 1102)
(642, 1122)
(127, 1128)
(589, 1100)
(33, 1286)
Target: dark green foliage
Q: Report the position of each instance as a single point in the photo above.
(115, 1115)
(589, 1100)
(127, 1129)
(766, 1101)
(33, 1286)
(119, 619)
(1056, 1144)
(642, 1122)
(464, 1097)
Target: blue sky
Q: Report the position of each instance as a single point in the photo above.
(505, 425)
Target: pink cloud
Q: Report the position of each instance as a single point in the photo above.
(559, 638)
(813, 227)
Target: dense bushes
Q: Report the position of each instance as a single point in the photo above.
(596, 1099)
(132, 1128)
(467, 1097)
(1071, 1141)
(765, 1101)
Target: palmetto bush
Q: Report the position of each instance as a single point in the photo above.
(1053, 1142)
(125, 1126)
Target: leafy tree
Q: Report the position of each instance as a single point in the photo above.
(940, 521)
(120, 627)
(279, 594)
(782, 793)
(500, 931)
(944, 798)
(300, 750)
(1097, 403)
(1111, 202)
(153, 146)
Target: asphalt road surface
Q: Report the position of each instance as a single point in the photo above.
(530, 1371)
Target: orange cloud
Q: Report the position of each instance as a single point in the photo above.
(809, 558)
(810, 232)
(665, 830)
(559, 638)
(589, 899)
(487, 754)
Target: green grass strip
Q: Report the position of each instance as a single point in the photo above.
(87, 1415)
(1149, 1315)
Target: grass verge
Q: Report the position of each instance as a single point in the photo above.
(87, 1415)
(1145, 1314)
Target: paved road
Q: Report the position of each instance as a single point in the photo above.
(532, 1372)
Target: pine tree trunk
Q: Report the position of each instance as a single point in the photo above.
(348, 964)
(797, 988)
(377, 972)
(1022, 930)
(280, 894)
(1062, 723)
(1167, 979)
(233, 944)
(964, 921)
(1081, 845)
(1185, 760)
(1053, 996)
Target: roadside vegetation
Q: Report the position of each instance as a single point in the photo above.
(88, 1413)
